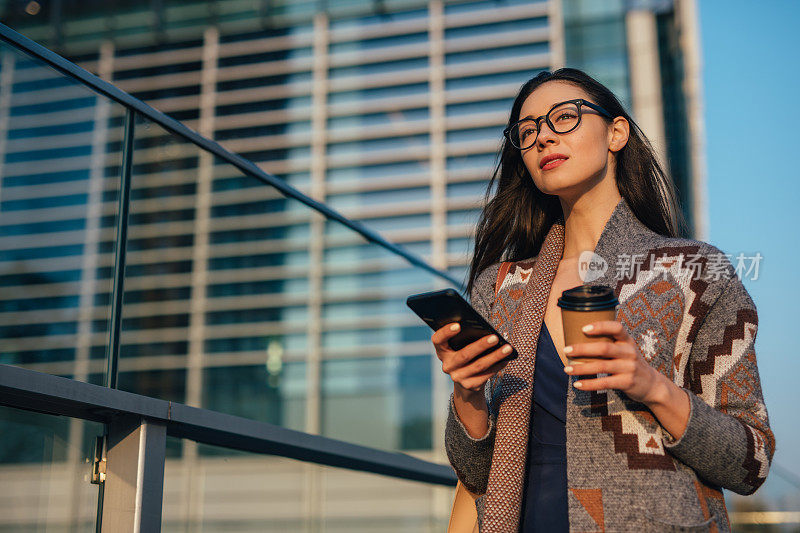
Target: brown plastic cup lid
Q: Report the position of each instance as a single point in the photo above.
(588, 298)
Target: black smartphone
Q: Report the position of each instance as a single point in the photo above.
(439, 308)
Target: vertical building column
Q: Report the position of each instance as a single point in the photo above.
(438, 174)
(192, 508)
(8, 60)
(316, 257)
(90, 260)
(687, 18)
(438, 132)
(555, 23)
(645, 78)
(441, 383)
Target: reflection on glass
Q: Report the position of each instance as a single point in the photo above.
(45, 470)
(55, 136)
(274, 392)
(221, 491)
(383, 403)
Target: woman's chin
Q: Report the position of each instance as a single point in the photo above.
(561, 187)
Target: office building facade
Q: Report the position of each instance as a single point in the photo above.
(243, 301)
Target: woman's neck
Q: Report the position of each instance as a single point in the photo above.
(584, 222)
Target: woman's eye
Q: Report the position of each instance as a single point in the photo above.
(566, 116)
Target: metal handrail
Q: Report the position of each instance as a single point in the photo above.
(113, 92)
(22, 388)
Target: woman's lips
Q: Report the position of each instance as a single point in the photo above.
(553, 164)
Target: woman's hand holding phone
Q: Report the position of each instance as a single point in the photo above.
(468, 371)
(469, 374)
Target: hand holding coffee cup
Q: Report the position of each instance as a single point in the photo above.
(619, 358)
(583, 305)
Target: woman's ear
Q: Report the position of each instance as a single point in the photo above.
(620, 130)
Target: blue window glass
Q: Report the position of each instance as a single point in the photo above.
(376, 198)
(45, 178)
(24, 357)
(52, 107)
(153, 349)
(472, 189)
(391, 119)
(39, 278)
(38, 330)
(468, 7)
(289, 343)
(258, 260)
(32, 228)
(497, 54)
(258, 287)
(44, 202)
(491, 30)
(23, 254)
(379, 18)
(491, 135)
(483, 106)
(383, 67)
(50, 130)
(34, 304)
(516, 78)
(471, 162)
(379, 43)
(371, 172)
(300, 231)
(467, 217)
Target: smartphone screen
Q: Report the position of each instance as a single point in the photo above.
(439, 308)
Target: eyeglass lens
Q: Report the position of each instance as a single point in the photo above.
(564, 118)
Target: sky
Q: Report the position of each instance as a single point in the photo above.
(750, 82)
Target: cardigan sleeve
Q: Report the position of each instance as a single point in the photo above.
(471, 458)
(727, 439)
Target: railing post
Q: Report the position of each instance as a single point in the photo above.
(134, 484)
(119, 251)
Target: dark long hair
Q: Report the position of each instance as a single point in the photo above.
(517, 217)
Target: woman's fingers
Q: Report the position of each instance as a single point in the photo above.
(469, 352)
(444, 334)
(607, 350)
(611, 366)
(482, 364)
(464, 366)
(613, 328)
(617, 381)
(476, 381)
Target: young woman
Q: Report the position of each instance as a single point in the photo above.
(646, 437)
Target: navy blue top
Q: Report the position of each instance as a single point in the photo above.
(544, 498)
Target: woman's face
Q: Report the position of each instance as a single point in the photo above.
(587, 149)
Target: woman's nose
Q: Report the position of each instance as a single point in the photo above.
(545, 135)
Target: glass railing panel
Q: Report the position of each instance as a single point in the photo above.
(378, 364)
(220, 490)
(241, 300)
(45, 472)
(216, 288)
(57, 157)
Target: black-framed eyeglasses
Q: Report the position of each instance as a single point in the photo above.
(562, 118)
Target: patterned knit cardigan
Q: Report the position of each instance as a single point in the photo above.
(693, 321)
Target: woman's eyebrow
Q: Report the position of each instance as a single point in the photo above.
(548, 110)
